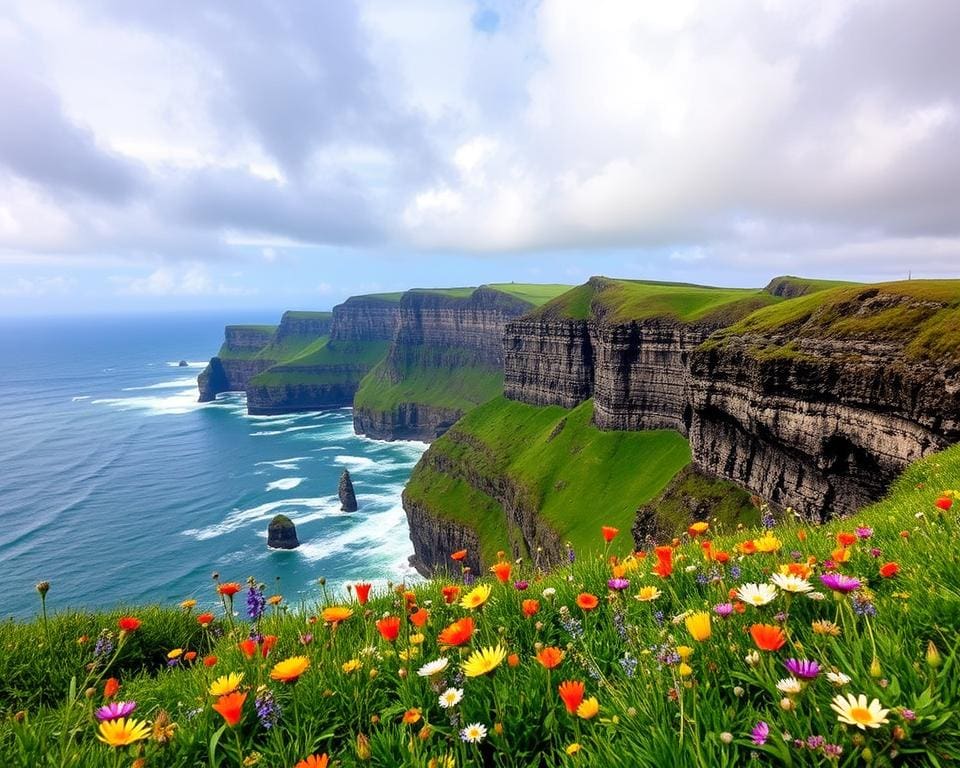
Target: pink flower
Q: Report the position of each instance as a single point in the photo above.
(115, 710)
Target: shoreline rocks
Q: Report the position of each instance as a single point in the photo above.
(282, 533)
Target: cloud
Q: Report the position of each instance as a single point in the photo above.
(182, 280)
(37, 286)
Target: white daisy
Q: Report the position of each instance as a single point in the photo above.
(757, 594)
(790, 686)
(854, 710)
(451, 697)
(474, 733)
(791, 583)
(549, 592)
(434, 667)
(838, 678)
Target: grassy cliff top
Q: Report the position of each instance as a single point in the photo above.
(252, 327)
(296, 314)
(924, 315)
(534, 294)
(791, 286)
(624, 300)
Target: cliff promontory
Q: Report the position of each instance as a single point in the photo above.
(237, 361)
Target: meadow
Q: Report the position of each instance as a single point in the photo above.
(785, 644)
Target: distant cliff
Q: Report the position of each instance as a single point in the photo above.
(237, 361)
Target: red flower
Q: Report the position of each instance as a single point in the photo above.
(550, 657)
(363, 593)
(587, 601)
(609, 532)
(189, 655)
(111, 687)
(389, 628)
(450, 593)
(457, 633)
(205, 619)
(231, 707)
(530, 607)
(420, 618)
(460, 554)
(502, 571)
(944, 503)
(229, 588)
(664, 566)
(513, 660)
(846, 539)
(129, 624)
(768, 637)
(267, 644)
(249, 648)
(209, 661)
(571, 691)
(889, 570)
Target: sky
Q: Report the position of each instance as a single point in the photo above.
(176, 155)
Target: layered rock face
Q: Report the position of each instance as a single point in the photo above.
(365, 318)
(304, 324)
(824, 428)
(405, 421)
(235, 365)
(548, 362)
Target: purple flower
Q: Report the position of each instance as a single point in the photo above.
(908, 714)
(306, 639)
(115, 710)
(618, 584)
(816, 742)
(268, 711)
(802, 669)
(521, 584)
(876, 551)
(863, 532)
(256, 602)
(832, 750)
(840, 583)
(734, 571)
(760, 733)
(723, 609)
(571, 555)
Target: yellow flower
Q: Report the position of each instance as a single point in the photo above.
(697, 528)
(351, 666)
(408, 653)
(824, 627)
(685, 669)
(275, 599)
(120, 733)
(684, 652)
(417, 639)
(698, 625)
(768, 543)
(588, 708)
(854, 710)
(484, 661)
(226, 684)
(647, 594)
(573, 749)
(476, 597)
(336, 613)
(289, 670)
(176, 653)
(188, 604)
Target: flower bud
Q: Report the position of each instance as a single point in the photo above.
(363, 747)
(726, 737)
(933, 656)
(43, 587)
(875, 670)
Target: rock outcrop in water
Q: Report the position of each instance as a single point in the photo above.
(348, 499)
(237, 362)
(282, 533)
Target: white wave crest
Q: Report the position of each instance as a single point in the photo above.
(285, 483)
(238, 518)
(172, 384)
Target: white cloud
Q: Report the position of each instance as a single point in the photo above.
(181, 280)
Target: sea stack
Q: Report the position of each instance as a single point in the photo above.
(348, 499)
(282, 533)
(182, 364)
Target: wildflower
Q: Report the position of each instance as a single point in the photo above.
(698, 625)
(943, 503)
(684, 670)
(476, 597)
(664, 566)
(474, 733)
(111, 687)
(907, 714)
(433, 668)
(188, 604)
(530, 608)
(419, 618)
(115, 710)
(231, 707)
(889, 570)
(698, 528)
(484, 661)
(550, 657)
(457, 633)
(289, 670)
(502, 571)
(336, 613)
(226, 684)
(129, 624)
(459, 556)
(802, 668)
(122, 732)
(389, 628)
(521, 584)
(586, 601)
(572, 749)
(790, 686)
(723, 609)
(268, 711)
(363, 592)
(825, 627)
(854, 710)
(840, 583)
(757, 594)
(791, 583)
(248, 648)
(588, 708)
(838, 678)
(571, 692)
(618, 584)
(256, 602)
(768, 637)
(162, 728)
(609, 533)
(647, 594)
(411, 716)
(451, 697)
(351, 666)
(210, 661)
(846, 539)
(314, 761)
(450, 592)
(549, 592)
(228, 589)
(760, 733)
(205, 619)
(933, 655)
(768, 543)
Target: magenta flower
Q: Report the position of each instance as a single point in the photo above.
(802, 669)
(618, 584)
(115, 710)
(863, 532)
(840, 583)
(723, 609)
(760, 733)
(521, 584)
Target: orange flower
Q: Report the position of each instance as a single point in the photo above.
(721, 557)
(846, 539)
(420, 618)
(363, 593)
(267, 645)
(664, 566)
(450, 592)
(314, 761)
(411, 716)
(840, 555)
(457, 633)
(768, 637)
(550, 657)
(889, 570)
(229, 588)
(334, 614)
(389, 628)
(189, 655)
(460, 554)
(205, 619)
(111, 687)
(410, 598)
(513, 660)
(697, 528)
(748, 547)
(800, 570)
(571, 691)
(530, 608)
(231, 707)
(209, 661)
(290, 670)
(502, 571)
(609, 533)
(129, 624)
(248, 647)
(587, 601)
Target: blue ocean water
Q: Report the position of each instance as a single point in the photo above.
(118, 487)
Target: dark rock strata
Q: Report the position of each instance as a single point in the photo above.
(235, 365)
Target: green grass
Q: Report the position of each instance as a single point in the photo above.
(653, 711)
(558, 459)
(457, 388)
(345, 361)
(308, 315)
(793, 286)
(625, 300)
(535, 294)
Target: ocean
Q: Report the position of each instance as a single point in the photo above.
(118, 487)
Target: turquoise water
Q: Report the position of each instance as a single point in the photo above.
(117, 486)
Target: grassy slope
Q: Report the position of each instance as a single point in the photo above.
(614, 471)
(639, 726)
(928, 329)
